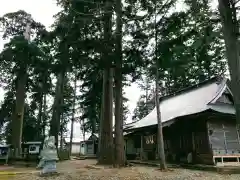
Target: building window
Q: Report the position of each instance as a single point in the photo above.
(32, 148)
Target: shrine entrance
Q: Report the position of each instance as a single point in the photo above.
(150, 146)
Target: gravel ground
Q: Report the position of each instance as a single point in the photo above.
(81, 170)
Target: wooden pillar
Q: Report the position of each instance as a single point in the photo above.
(225, 140)
(193, 141)
(209, 131)
(208, 136)
(238, 135)
(180, 141)
(126, 147)
(141, 151)
(93, 144)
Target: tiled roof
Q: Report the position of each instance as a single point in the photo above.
(192, 100)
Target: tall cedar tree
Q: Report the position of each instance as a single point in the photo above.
(106, 133)
(119, 141)
(230, 26)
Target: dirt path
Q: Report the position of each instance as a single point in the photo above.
(84, 170)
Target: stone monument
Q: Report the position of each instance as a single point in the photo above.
(48, 157)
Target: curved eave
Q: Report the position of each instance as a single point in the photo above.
(197, 100)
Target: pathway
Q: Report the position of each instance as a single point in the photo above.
(85, 170)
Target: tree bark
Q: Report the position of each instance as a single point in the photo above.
(119, 140)
(147, 89)
(82, 128)
(160, 141)
(19, 112)
(39, 120)
(106, 136)
(55, 121)
(61, 132)
(73, 115)
(44, 118)
(101, 115)
(93, 126)
(84, 132)
(231, 36)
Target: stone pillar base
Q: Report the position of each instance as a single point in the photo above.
(49, 167)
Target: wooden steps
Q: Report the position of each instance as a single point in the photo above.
(222, 159)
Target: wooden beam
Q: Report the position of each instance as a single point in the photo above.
(193, 141)
(141, 150)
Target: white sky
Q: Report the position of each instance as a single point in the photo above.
(43, 11)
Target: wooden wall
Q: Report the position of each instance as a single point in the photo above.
(223, 136)
(189, 134)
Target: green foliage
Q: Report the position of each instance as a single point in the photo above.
(30, 129)
(141, 110)
(14, 24)
(146, 101)
(66, 108)
(17, 57)
(190, 47)
(90, 99)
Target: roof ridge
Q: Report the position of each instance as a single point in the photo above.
(184, 90)
(220, 91)
(215, 78)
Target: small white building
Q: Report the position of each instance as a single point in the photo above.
(75, 145)
(90, 146)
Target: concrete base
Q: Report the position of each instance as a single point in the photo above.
(49, 174)
(49, 167)
(86, 157)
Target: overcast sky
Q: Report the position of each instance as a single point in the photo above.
(43, 11)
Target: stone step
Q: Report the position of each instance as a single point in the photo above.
(221, 169)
